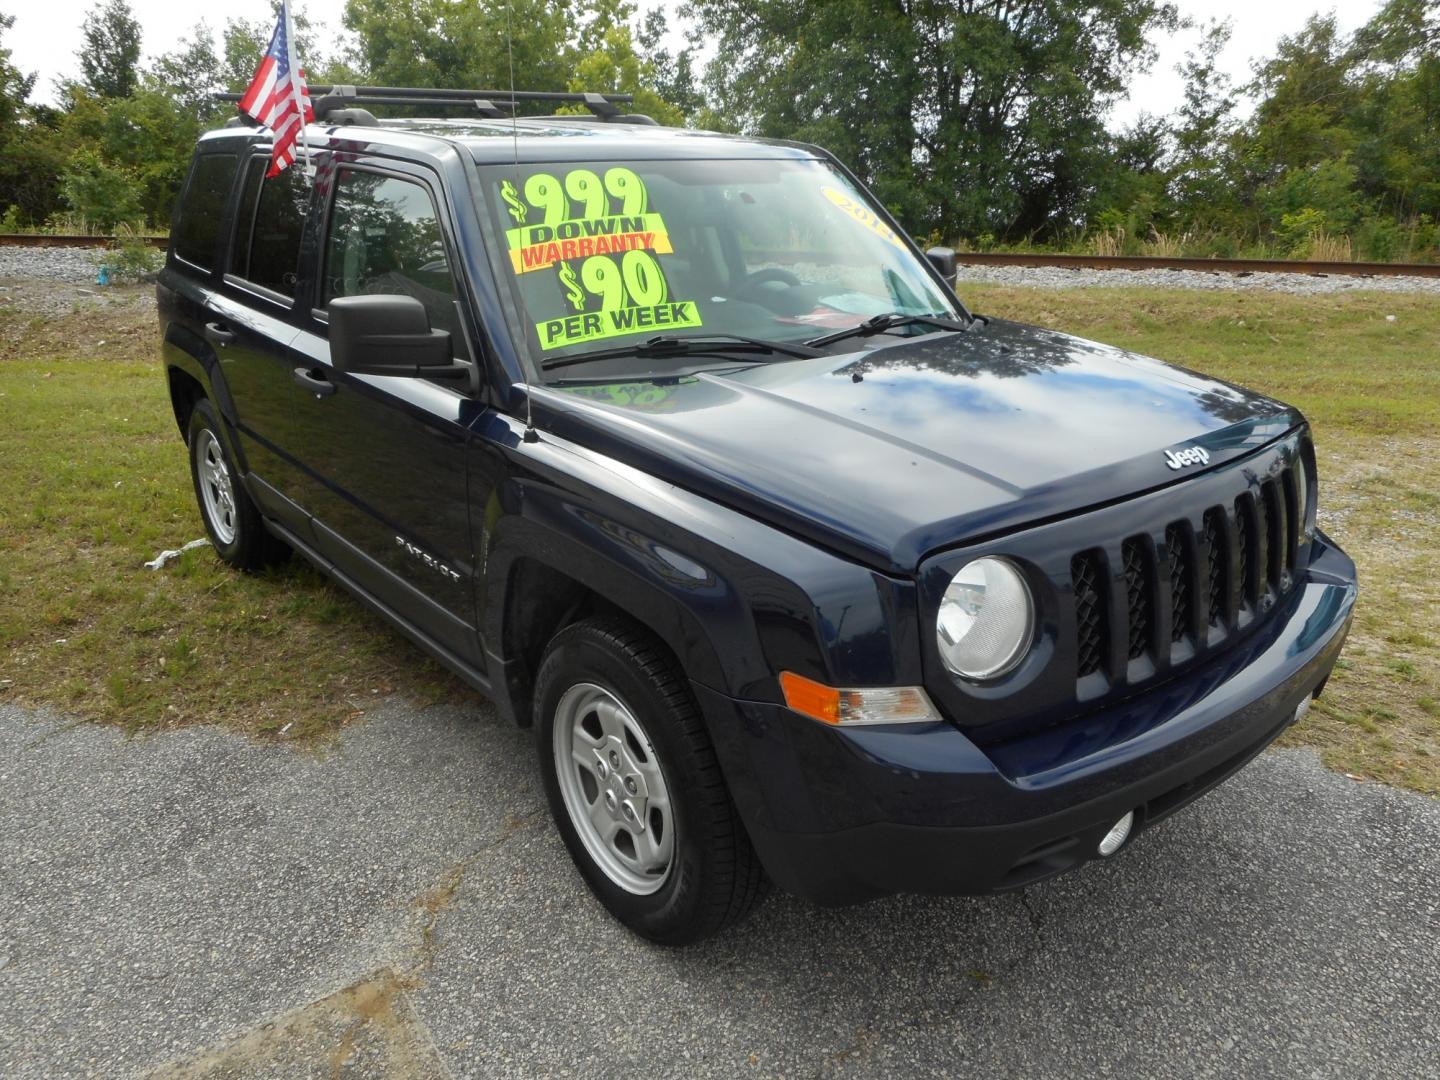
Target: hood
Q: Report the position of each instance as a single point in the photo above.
(902, 448)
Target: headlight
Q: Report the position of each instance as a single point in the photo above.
(986, 620)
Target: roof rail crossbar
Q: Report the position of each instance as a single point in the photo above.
(602, 106)
(490, 103)
(495, 110)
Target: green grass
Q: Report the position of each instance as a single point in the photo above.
(93, 481)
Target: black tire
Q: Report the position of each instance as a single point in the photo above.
(714, 877)
(235, 527)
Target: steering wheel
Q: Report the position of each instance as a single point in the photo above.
(754, 281)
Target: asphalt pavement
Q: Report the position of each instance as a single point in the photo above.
(198, 904)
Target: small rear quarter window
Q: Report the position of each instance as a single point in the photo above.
(270, 226)
(202, 210)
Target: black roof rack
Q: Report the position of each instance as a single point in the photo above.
(339, 101)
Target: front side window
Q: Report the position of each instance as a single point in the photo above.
(197, 226)
(385, 238)
(605, 253)
(271, 223)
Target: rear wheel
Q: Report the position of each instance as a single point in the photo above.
(231, 520)
(635, 788)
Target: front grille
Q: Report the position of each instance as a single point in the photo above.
(1090, 635)
(1272, 499)
(1232, 564)
(1177, 555)
(1217, 562)
(1138, 596)
(1247, 544)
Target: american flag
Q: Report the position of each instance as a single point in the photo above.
(278, 94)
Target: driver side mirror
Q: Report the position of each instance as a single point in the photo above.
(943, 259)
(389, 335)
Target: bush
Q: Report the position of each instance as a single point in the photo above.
(132, 259)
(1298, 231)
(1380, 240)
(102, 195)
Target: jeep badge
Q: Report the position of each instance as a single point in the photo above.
(1191, 455)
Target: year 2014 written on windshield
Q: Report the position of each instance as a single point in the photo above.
(596, 240)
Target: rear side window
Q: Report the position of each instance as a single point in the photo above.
(272, 219)
(197, 226)
(385, 237)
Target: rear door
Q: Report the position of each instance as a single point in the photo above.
(251, 322)
(385, 470)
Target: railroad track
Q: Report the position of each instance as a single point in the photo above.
(41, 240)
(1207, 266)
(971, 258)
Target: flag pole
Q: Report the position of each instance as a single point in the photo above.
(295, 78)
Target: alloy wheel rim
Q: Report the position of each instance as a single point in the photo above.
(217, 491)
(613, 788)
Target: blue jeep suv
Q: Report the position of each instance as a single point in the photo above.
(677, 447)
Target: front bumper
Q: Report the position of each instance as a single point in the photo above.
(840, 815)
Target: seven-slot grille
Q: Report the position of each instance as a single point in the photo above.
(1212, 578)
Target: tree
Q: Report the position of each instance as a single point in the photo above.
(148, 138)
(460, 44)
(606, 60)
(547, 44)
(243, 42)
(1397, 154)
(982, 117)
(30, 162)
(1306, 95)
(671, 76)
(191, 74)
(1202, 180)
(110, 58)
(1133, 192)
(15, 87)
(1402, 34)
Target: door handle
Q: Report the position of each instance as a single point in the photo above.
(315, 382)
(219, 333)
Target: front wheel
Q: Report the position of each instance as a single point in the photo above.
(635, 788)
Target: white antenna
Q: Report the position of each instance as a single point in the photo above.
(530, 433)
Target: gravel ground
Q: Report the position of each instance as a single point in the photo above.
(1054, 277)
(77, 266)
(195, 904)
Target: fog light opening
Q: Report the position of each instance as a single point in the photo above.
(1115, 839)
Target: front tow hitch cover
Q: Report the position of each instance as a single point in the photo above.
(1115, 839)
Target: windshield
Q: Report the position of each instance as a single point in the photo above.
(605, 254)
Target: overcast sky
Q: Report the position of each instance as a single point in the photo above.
(46, 35)
(1258, 25)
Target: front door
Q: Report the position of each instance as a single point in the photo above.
(385, 457)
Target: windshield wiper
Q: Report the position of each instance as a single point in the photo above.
(671, 345)
(889, 321)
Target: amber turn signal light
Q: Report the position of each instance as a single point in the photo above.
(870, 705)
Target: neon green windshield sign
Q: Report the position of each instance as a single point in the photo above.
(599, 238)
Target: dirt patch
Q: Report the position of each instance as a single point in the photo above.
(368, 1028)
(45, 318)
